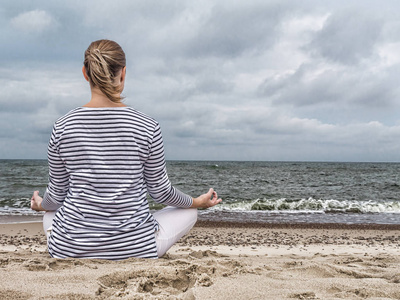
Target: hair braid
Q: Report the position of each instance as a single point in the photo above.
(104, 60)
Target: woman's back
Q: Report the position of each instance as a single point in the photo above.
(101, 161)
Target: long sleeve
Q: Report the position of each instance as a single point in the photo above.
(157, 181)
(57, 187)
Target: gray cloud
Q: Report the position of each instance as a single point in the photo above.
(348, 36)
(359, 94)
(34, 21)
(313, 85)
(229, 31)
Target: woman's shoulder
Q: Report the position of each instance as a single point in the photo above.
(82, 113)
(143, 116)
(61, 120)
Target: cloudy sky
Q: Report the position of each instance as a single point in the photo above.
(227, 80)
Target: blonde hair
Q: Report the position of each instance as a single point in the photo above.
(104, 60)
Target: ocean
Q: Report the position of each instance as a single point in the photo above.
(259, 192)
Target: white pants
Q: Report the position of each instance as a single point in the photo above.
(173, 222)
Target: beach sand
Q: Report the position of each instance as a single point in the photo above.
(215, 261)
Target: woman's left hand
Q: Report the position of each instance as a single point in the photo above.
(36, 202)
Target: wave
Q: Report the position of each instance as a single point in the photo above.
(282, 205)
(11, 211)
(15, 203)
(312, 205)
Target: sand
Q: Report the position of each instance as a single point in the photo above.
(215, 261)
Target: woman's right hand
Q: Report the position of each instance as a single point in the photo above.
(206, 200)
(36, 202)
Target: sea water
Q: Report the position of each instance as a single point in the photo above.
(275, 192)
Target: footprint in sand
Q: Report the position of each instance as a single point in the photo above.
(172, 277)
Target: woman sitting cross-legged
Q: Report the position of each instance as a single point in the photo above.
(104, 158)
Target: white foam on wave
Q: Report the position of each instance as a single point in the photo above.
(235, 206)
(5, 211)
(311, 205)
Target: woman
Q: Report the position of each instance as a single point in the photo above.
(104, 157)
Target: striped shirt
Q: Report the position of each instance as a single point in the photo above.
(102, 164)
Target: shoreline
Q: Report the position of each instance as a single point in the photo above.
(241, 224)
(7, 219)
(229, 224)
(203, 222)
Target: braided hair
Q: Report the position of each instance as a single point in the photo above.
(104, 60)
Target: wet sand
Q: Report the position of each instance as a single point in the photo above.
(215, 261)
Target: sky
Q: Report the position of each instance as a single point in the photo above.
(226, 80)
